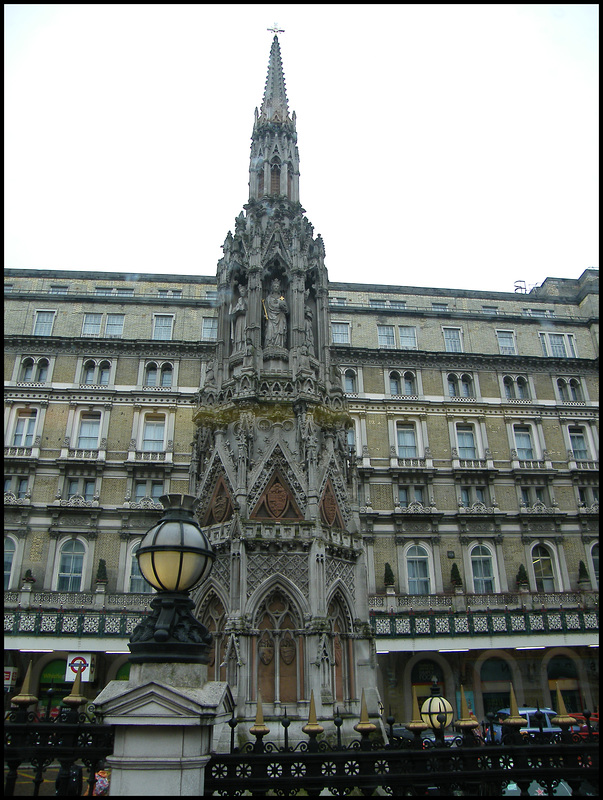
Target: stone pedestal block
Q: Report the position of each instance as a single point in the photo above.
(166, 717)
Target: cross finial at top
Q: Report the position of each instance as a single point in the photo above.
(275, 29)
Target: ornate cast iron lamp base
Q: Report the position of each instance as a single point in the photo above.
(170, 633)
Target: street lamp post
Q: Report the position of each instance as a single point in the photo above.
(174, 557)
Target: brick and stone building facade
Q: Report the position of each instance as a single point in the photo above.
(350, 445)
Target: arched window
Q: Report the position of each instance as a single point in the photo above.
(467, 386)
(42, 371)
(394, 383)
(9, 556)
(71, 566)
(104, 371)
(417, 566)
(542, 562)
(27, 369)
(349, 380)
(410, 383)
(495, 676)
(575, 390)
(166, 375)
(516, 388)
(563, 392)
(88, 372)
(523, 391)
(150, 375)
(509, 385)
(481, 567)
(453, 385)
(137, 582)
(422, 676)
(595, 557)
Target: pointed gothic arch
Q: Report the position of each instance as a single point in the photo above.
(278, 669)
(218, 484)
(330, 512)
(342, 658)
(281, 582)
(221, 506)
(212, 611)
(277, 501)
(333, 478)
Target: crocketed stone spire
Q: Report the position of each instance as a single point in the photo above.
(274, 164)
(274, 105)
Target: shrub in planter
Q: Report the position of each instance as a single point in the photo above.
(101, 572)
(455, 576)
(522, 576)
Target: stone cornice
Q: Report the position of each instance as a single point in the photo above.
(343, 354)
(107, 346)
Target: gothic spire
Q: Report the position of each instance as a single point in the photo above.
(274, 105)
(274, 164)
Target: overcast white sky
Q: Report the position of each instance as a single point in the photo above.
(440, 145)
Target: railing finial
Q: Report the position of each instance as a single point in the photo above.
(562, 718)
(365, 726)
(25, 697)
(75, 698)
(258, 729)
(312, 728)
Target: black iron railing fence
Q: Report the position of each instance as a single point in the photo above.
(71, 738)
(464, 765)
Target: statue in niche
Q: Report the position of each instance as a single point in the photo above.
(275, 311)
(238, 318)
(309, 332)
(210, 377)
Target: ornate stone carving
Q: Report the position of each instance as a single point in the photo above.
(266, 648)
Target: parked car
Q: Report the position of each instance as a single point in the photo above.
(402, 732)
(528, 713)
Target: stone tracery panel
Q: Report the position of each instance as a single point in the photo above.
(337, 568)
(293, 566)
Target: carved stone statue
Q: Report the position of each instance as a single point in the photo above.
(238, 318)
(276, 310)
(309, 332)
